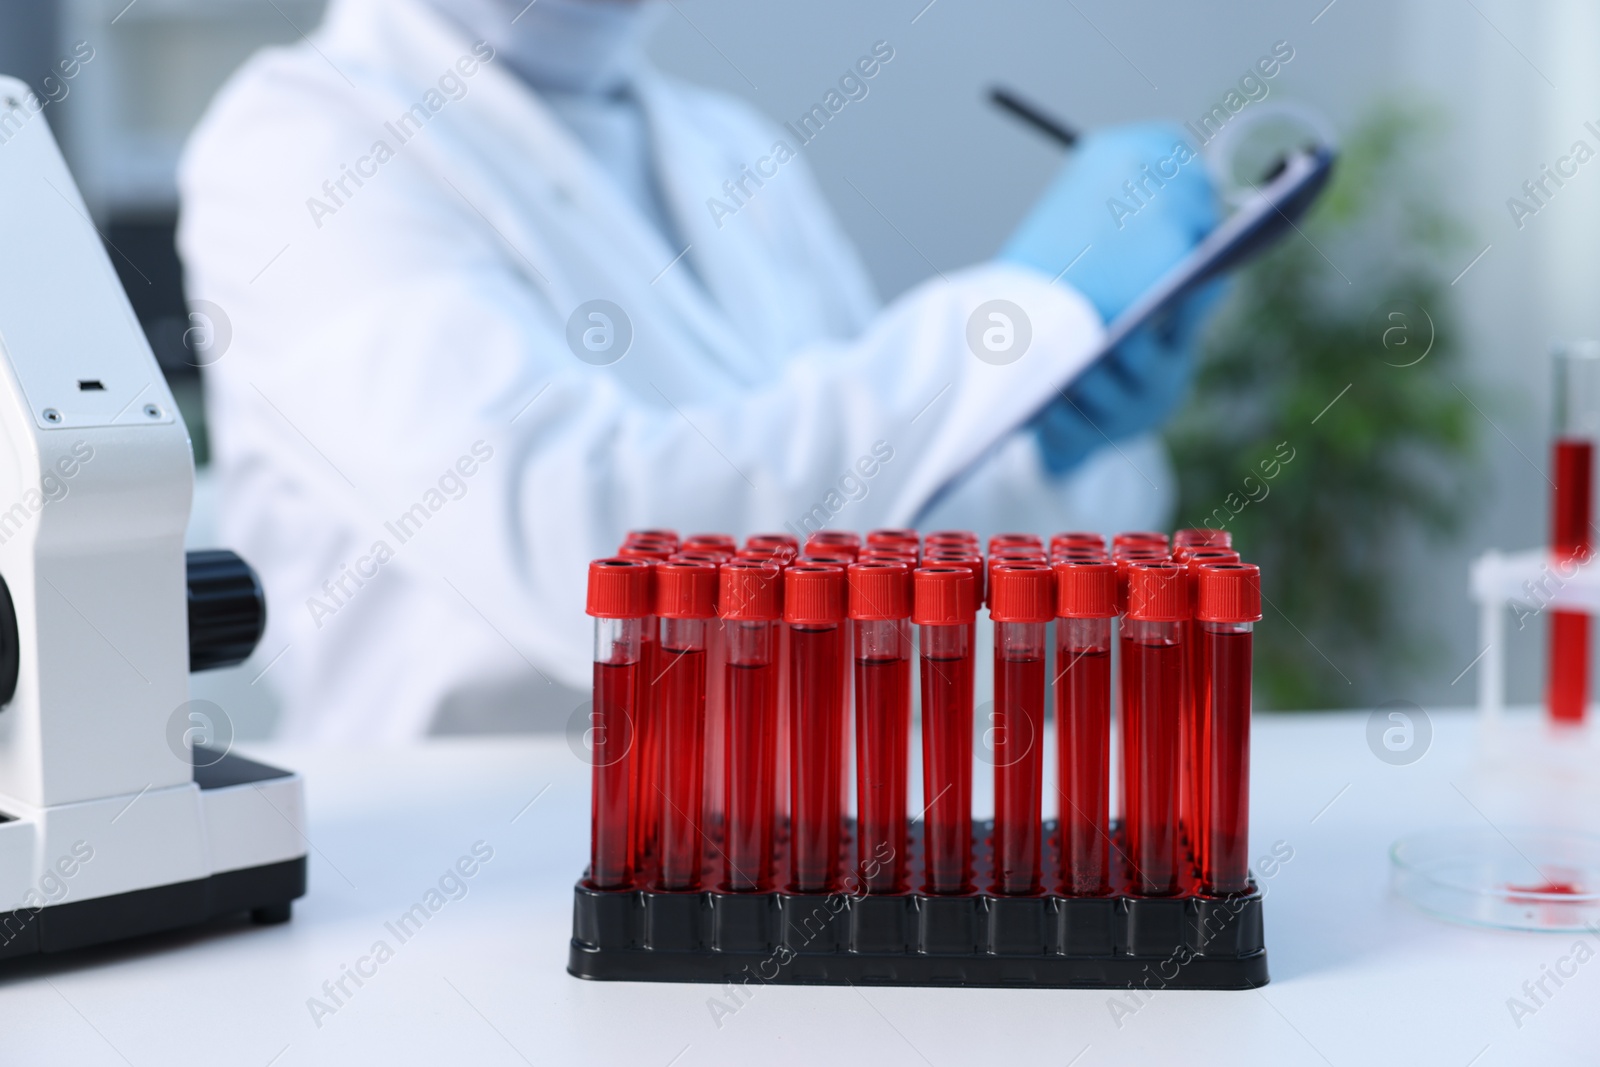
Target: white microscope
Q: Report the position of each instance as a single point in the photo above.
(113, 823)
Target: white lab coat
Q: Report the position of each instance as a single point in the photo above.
(417, 331)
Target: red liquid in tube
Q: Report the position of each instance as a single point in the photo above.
(1022, 601)
(1573, 511)
(1228, 604)
(750, 606)
(1152, 680)
(686, 604)
(944, 605)
(647, 763)
(1085, 603)
(880, 603)
(814, 608)
(620, 592)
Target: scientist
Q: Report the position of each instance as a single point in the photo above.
(483, 321)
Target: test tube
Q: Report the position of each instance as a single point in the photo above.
(814, 609)
(880, 604)
(1152, 690)
(619, 596)
(1086, 602)
(686, 603)
(1021, 603)
(1227, 609)
(944, 606)
(1192, 765)
(1577, 424)
(750, 603)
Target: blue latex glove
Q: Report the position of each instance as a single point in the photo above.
(1133, 238)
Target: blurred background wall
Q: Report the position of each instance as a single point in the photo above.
(926, 175)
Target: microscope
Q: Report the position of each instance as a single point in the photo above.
(116, 819)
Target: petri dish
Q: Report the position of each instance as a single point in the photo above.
(1522, 879)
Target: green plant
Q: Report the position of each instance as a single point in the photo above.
(1317, 358)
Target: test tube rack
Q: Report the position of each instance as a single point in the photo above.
(1172, 923)
(976, 939)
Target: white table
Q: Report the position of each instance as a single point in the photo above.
(1358, 976)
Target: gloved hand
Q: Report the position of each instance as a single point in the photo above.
(1139, 198)
(1131, 391)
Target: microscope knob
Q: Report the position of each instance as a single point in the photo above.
(227, 609)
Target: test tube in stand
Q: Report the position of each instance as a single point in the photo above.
(1577, 424)
(750, 602)
(880, 605)
(1152, 681)
(1086, 602)
(686, 603)
(1227, 608)
(944, 607)
(619, 599)
(1021, 603)
(1192, 775)
(814, 609)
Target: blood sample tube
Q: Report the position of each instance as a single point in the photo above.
(646, 817)
(880, 604)
(944, 605)
(1152, 688)
(1021, 603)
(686, 602)
(1577, 424)
(1086, 602)
(619, 595)
(750, 604)
(1192, 765)
(1226, 611)
(814, 609)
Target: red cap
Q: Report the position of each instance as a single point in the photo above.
(1202, 538)
(1157, 592)
(827, 554)
(834, 541)
(970, 560)
(656, 550)
(880, 590)
(620, 588)
(1229, 592)
(813, 594)
(686, 590)
(951, 537)
(1086, 589)
(1077, 537)
(696, 555)
(780, 553)
(1014, 539)
(715, 542)
(1022, 552)
(1192, 559)
(771, 540)
(652, 535)
(751, 590)
(1140, 550)
(1022, 592)
(893, 537)
(1077, 552)
(944, 594)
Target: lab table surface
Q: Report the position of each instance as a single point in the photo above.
(1358, 975)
